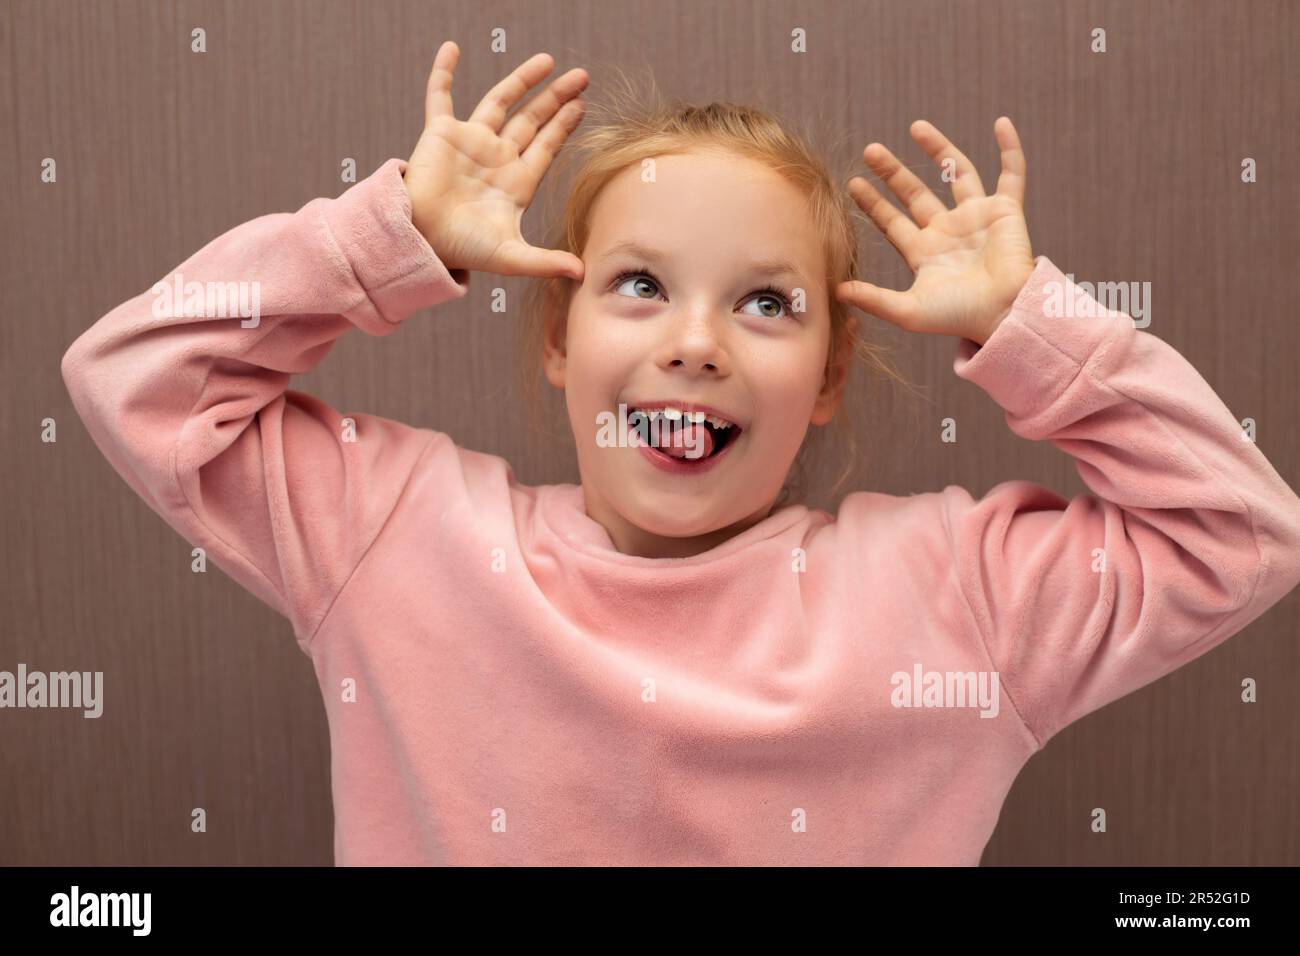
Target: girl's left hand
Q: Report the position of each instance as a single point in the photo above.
(970, 262)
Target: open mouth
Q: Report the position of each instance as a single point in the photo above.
(687, 437)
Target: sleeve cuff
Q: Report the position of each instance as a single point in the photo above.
(392, 262)
(1052, 330)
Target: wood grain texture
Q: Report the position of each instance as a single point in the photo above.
(1134, 174)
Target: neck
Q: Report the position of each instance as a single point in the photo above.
(630, 539)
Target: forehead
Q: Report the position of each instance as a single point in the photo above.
(706, 205)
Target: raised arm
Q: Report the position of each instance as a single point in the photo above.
(1190, 533)
(1189, 536)
(192, 407)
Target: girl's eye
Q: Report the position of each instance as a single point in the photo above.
(772, 304)
(643, 285)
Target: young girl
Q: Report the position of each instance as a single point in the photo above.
(658, 666)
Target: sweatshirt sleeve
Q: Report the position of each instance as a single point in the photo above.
(183, 389)
(1189, 535)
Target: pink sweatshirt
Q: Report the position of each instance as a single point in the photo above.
(504, 687)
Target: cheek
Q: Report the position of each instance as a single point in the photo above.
(786, 387)
(785, 419)
(587, 343)
(607, 345)
(597, 363)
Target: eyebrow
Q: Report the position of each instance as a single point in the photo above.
(767, 268)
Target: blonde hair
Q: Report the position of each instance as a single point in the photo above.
(628, 126)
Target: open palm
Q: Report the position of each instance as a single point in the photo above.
(970, 261)
(470, 181)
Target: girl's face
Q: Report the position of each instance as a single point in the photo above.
(670, 312)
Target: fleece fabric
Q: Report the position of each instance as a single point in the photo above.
(504, 687)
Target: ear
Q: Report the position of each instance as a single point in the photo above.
(553, 352)
(832, 392)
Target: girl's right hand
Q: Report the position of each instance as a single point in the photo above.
(471, 181)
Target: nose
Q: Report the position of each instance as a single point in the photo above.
(694, 345)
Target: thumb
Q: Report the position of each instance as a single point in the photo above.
(897, 308)
(519, 258)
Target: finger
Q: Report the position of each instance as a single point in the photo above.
(1011, 182)
(911, 192)
(491, 110)
(437, 92)
(897, 228)
(541, 151)
(523, 126)
(521, 259)
(897, 308)
(967, 183)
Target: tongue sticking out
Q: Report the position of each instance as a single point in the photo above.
(686, 440)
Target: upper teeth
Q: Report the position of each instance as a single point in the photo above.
(674, 414)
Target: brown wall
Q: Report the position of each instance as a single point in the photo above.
(1134, 159)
